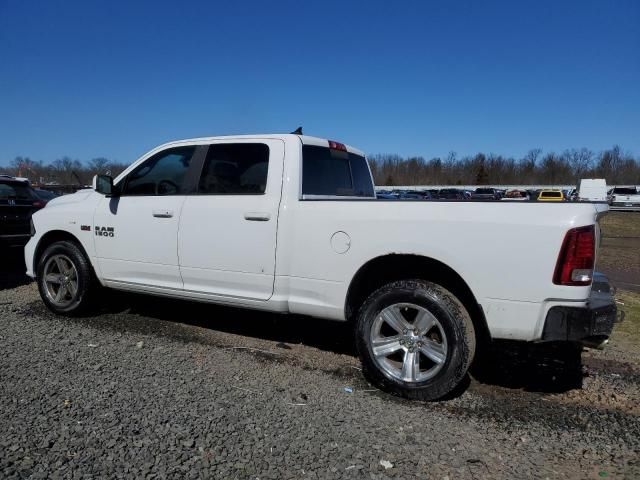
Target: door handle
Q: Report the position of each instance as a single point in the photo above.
(257, 216)
(162, 213)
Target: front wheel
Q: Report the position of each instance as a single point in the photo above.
(415, 339)
(65, 279)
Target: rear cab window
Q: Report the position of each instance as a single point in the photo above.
(334, 173)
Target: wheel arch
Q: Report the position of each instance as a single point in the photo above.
(392, 267)
(54, 236)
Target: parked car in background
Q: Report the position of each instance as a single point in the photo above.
(551, 196)
(386, 195)
(406, 195)
(414, 195)
(45, 195)
(451, 194)
(18, 201)
(624, 198)
(516, 195)
(485, 194)
(590, 190)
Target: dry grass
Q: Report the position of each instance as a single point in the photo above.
(620, 259)
(621, 225)
(619, 256)
(629, 330)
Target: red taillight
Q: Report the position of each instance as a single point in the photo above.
(337, 146)
(577, 257)
(39, 204)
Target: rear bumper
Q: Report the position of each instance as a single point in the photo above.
(590, 325)
(621, 207)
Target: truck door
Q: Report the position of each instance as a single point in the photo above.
(136, 232)
(227, 233)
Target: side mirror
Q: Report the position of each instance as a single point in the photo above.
(103, 184)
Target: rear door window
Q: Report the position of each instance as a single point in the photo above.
(336, 173)
(235, 169)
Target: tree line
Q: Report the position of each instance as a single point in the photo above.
(62, 171)
(536, 167)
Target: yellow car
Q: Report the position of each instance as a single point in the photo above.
(551, 196)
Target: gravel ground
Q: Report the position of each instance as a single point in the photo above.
(166, 389)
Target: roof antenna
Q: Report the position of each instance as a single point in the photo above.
(297, 131)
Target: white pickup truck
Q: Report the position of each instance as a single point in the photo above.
(291, 224)
(624, 198)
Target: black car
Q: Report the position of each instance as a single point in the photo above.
(451, 194)
(423, 194)
(414, 195)
(18, 201)
(45, 195)
(485, 194)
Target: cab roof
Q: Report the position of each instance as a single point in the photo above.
(304, 139)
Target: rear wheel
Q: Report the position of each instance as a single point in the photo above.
(65, 279)
(415, 339)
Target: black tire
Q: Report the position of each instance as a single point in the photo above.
(454, 323)
(80, 302)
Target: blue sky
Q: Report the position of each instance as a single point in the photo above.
(115, 78)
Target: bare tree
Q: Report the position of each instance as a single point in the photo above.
(98, 165)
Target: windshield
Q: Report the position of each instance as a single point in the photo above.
(484, 191)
